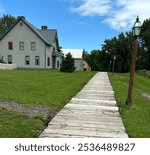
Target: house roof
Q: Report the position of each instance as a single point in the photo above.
(76, 53)
(48, 36)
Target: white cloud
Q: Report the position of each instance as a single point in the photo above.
(118, 14)
(92, 7)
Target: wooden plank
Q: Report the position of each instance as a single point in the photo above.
(97, 91)
(89, 119)
(86, 133)
(96, 97)
(95, 122)
(92, 102)
(89, 113)
(85, 128)
(53, 135)
(86, 125)
(90, 107)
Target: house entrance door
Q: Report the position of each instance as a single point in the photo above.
(54, 61)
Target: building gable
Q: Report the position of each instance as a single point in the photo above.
(76, 53)
(48, 36)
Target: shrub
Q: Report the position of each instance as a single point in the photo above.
(144, 73)
(67, 64)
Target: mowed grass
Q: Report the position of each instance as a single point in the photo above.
(14, 124)
(136, 118)
(49, 88)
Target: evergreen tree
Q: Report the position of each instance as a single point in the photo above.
(67, 64)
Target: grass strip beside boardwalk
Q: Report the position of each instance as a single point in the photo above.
(14, 124)
(137, 118)
(47, 88)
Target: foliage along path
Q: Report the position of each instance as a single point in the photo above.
(91, 113)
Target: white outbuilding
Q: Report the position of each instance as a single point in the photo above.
(77, 54)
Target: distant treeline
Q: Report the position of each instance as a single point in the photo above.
(121, 47)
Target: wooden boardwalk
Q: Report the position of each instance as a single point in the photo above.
(91, 113)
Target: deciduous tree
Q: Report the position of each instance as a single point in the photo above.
(5, 22)
(145, 43)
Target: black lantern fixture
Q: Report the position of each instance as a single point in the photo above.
(136, 28)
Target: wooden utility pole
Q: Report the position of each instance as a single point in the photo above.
(134, 53)
(113, 66)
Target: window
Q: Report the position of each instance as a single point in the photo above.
(10, 45)
(37, 60)
(57, 63)
(21, 24)
(9, 57)
(48, 61)
(27, 60)
(21, 46)
(33, 46)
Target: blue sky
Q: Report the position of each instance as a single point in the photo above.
(80, 23)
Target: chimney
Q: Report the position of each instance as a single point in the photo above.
(21, 17)
(44, 27)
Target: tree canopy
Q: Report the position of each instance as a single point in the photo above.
(121, 47)
(145, 44)
(5, 22)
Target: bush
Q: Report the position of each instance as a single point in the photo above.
(144, 72)
(67, 64)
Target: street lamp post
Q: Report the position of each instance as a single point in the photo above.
(110, 66)
(136, 32)
(113, 66)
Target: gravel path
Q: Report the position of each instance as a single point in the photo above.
(29, 110)
(146, 95)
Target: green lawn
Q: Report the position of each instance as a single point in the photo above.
(14, 124)
(48, 88)
(137, 118)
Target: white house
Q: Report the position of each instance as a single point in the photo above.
(29, 47)
(77, 54)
